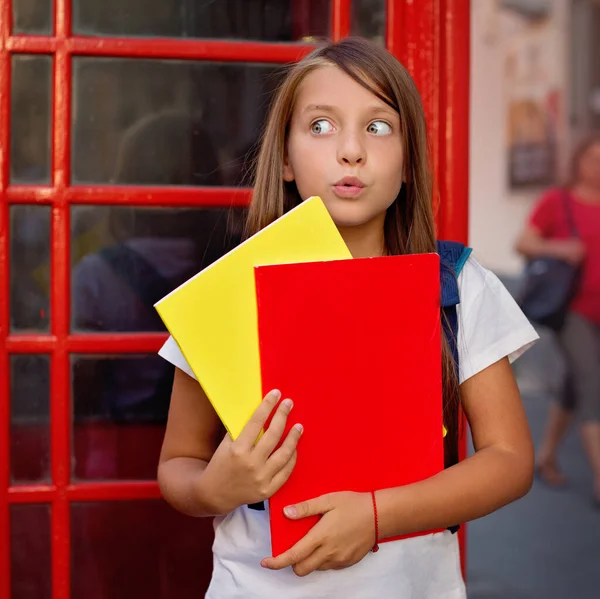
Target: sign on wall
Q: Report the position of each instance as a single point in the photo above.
(533, 108)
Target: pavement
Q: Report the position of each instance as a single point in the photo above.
(546, 545)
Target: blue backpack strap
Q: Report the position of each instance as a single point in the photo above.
(453, 257)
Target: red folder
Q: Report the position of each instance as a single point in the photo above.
(356, 344)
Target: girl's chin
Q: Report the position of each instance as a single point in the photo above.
(352, 218)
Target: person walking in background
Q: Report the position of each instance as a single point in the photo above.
(549, 234)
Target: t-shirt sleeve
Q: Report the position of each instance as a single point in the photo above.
(491, 324)
(171, 353)
(544, 214)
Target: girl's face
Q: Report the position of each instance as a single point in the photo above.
(589, 166)
(345, 146)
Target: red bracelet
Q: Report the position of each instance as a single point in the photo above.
(376, 546)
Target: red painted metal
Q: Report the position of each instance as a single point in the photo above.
(417, 52)
(5, 20)
(216, 50)
(31, 44)
(453, 175)
(340, 19)
(30, 194)
(97, 343)
(182, 196)
(32, 494)
(116, 343)
(431, 38)
(101, 491)
(454, 110)
(133, 195)
(60, 408)
(114, 491)
(190, 49)
(30, 344)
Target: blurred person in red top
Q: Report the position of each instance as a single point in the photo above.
(548, 234)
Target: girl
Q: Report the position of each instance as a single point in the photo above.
(548, 234)
(347, 125)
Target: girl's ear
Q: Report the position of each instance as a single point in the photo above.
(288, 171)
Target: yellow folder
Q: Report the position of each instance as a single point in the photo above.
(213, 316)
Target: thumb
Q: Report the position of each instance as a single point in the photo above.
(304, 509)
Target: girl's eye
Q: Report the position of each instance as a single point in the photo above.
(379, 128)
(321, 127)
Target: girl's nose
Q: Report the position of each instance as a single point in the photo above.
(351, 150)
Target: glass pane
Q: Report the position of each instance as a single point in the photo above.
(29, 269)
(368, 19)
(126, 259)
(30, 552)
(126, 549)
(30, 118)
(32, 16)
(267, 20)
(120, 405)
(29, 419)
(163, 122)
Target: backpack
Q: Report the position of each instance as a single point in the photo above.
(453, 257)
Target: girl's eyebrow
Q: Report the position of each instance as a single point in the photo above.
(328, 108)
(319, 107)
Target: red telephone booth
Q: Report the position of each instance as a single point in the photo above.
(125, 133)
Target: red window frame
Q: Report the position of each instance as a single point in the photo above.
(431, 37)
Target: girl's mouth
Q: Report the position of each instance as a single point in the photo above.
(348, 187)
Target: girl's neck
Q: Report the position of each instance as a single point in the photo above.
(364, 241)
(587, 193)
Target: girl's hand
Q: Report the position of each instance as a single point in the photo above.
(246, 471)
(341, 538)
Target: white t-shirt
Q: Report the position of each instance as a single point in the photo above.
(491, 327)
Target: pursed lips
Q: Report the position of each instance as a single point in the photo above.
(348, 187)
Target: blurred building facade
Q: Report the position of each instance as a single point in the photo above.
(535, 91)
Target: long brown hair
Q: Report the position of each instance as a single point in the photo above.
(409, 224)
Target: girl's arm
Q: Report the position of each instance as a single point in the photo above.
(200, 475)
(499, 472)
(191, 438)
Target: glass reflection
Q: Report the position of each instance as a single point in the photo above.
(126, 259)
(32, 16)
(30, 576)
(31, 102)
(29, 419)
(29, 269)
(125, 549)
(167, 122)
(266, 20)
(120, 405)
(368, 19)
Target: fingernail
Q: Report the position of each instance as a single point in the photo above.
(290, 511)
(299, 428)
(276, 394)
(263, 563)
(288, 404)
